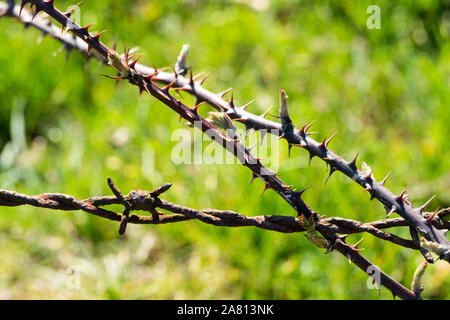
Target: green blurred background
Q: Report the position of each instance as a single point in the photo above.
(65, 128)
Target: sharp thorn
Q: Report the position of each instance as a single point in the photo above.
(204, 79)
(300, 193)
(426, 203)
(254, 176)
(329, 140)
(246, 105)
(309, 125)
(352, 163)
(114, 78)
(430, 218)
(166, 88)
(232, 100)
(97, 36)
(198, 105)
(310, 157)
(223, 93)
(332, 170)
(385, 179)
(197, 76)
(150, 76)
(266, 186)
(400, 197)
(132, 65)
(266, 113)
(390, 212)
(191, 79)
(369, 176)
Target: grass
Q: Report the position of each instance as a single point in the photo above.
(64, 128)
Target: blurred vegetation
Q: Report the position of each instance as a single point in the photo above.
(64, 128)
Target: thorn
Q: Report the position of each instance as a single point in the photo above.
(114, 78)
(232, 100)
(144, 84)
(198, 105)
(68, 14)
(254, 176)
(179, 94)
(332, 170)
(246, 105)
(352, 163)
(430, 218)
(355, 246)
(370, 190)
(302, 130)
(197, 76)
(191, 79)
(391, 211)
(400, 197)
(323, 144)
(310, 157)
(369, 176)
(343, 237)
(384, 180)
(426, 203)
(175, 72)
(266, 186)
(132, 65)
(97, 36)
(166, 88)
(329, 140)
(86, 29)
(309, 125)
(223, 93)
(204, 79)
(266, 113)
(289, 150)
(150, 76)
(300, 193)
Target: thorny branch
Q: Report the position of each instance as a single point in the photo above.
(136, 75)
(138, 200)
(300, 138)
